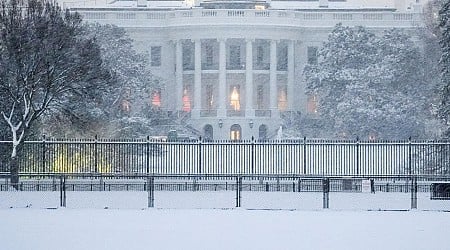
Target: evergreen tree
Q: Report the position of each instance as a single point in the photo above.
(123, 109)
(444, 24)
(370, 86)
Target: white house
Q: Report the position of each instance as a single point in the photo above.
(233, 67)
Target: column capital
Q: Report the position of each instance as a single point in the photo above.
(221, 39)
(251, 40)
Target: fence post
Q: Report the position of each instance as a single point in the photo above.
(151, 191)
(304, 155)
(62, 191)
(199, 170)
(357, 156)
(253, 154)
(148, 154)
(95, 155)
(414, 193)
(238, 190)
(43, 153)
(410, 156)
(326, 192)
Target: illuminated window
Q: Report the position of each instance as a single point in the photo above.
(235, 98)
(235, 132)
(312, 104)
(186, 101)
(156, 98)
(282, 98)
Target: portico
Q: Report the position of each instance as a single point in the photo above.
(246, 79)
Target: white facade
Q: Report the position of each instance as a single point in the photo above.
(230, 73)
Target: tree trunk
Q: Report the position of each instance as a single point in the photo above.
(14, 171)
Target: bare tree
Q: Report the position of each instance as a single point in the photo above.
(43, 62)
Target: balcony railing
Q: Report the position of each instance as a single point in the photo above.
(300, 18)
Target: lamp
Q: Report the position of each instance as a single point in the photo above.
(220, 123)
(250, 123)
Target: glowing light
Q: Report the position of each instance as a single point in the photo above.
(234, 99)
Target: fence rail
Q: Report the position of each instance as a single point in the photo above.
(305, 157)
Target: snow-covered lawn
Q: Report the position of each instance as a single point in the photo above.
(208, 220)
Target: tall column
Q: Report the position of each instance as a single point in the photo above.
(222, 103)
(291, 74)
(179, 74)
(300, 88)
(197, 79)
(249, 111)
(273, 78)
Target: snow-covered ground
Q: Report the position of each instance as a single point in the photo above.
(209, 220)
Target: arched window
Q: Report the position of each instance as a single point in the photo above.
(208, 133)
(235, 132)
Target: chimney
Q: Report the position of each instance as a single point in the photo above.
(323, 3)
(141, 3)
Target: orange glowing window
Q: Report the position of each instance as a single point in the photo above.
(156, 98)
(186, 101)
(235, 99)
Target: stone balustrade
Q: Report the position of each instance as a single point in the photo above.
(291, 18)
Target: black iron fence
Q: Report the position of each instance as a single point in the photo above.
(306, 157)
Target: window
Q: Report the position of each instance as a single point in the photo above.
(208, 132)
(156, 98)
(235, 98)
(262, 132)
(282, 57)
(260, 97)
(186, 100)
(282, 98)
(188, 56)
(155, 56)
(312, 104)
(259, 55)
(209, 97)
(235, 57)
(209, 54)
(312, 55)
(235, 132)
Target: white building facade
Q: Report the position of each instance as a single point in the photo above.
(232, 69)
